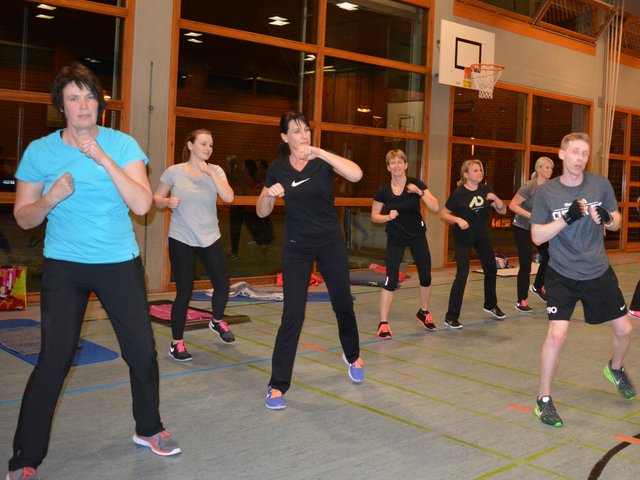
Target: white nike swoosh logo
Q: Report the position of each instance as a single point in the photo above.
(622, 307)
(295, 184)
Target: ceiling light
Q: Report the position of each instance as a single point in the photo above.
(192, 34)
(364, 109)
(44, 6)
(278, 21)
(194, 40)
(347, 6)
(46, 17)
(309, 58)
(92, 60)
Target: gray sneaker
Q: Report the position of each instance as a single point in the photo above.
(25, 473)
(161, 443)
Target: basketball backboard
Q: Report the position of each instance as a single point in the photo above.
(461, 46)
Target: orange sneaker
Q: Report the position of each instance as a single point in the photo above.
(384, 331)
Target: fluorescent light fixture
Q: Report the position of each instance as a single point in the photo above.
(92, 60)
(45, 17)
(329, 68)
(44, 6)
(194, 40)
(364, 109)
(309, 58)
(106, 97)
(347, 6)
(278, 21)
(192, 34)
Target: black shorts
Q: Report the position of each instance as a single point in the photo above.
(601, 297)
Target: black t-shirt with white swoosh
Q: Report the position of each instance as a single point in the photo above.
(310, 214)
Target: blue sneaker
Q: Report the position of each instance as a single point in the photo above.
(355, 370)
(275, 399)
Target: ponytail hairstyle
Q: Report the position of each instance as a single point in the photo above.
(283, 149)
(193, 134)
(539, 163)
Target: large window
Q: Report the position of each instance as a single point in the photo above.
(240, 66)
(495, 132)
(624, 175)
(36, 41)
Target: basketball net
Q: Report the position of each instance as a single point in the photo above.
(483, 77)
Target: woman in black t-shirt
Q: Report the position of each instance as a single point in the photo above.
(304, 177)
(402, 197)
(468, 210)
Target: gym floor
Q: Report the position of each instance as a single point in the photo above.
(445, 404)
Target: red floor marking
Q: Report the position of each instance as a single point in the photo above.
(628, 439)
(518, 407)
(408, 375)
(313, 347)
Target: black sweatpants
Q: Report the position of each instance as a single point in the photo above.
(66, 287)
(463, 256)
(297, 264)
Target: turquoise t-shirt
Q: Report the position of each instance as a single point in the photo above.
(92, 225)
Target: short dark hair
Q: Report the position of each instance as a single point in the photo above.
(82, 77)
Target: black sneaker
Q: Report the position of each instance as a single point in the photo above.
(540, 292)
(452, 323)
(222, 329)
(523, 306)
(425, 319)
(620, 380)
(546, 411)
(496, 312)
(178, 352)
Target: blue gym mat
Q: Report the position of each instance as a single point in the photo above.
(201, 296)
(89, 353)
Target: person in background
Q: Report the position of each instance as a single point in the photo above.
(304, 176)
(190, 189)
(521, 205)
(83, 180)
(235, 177)
(402, 197)
(634, 307)
(571, 212)
(468, 210)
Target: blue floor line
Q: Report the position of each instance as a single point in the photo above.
(262, 360)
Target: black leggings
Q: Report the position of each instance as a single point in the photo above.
(524, 244)
(297, 263)
(421, 256)
(183, 265)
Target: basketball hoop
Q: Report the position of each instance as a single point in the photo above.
(483, 77)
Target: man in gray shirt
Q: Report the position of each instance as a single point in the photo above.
(569, 212)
